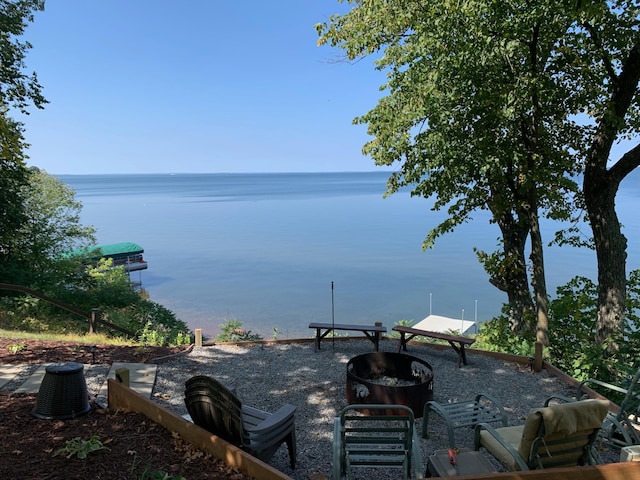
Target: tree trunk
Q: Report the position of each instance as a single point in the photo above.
(512, 278)
(611, 246)
(539, 281)
(600, 186)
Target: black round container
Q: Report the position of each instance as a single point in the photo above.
(63, 392)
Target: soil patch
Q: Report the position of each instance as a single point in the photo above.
(136, 448)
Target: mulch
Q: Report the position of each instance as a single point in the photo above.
(134, 447)
(29, 351)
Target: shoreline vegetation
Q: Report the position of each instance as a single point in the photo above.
(157, 326)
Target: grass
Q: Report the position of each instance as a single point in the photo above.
(69, 337)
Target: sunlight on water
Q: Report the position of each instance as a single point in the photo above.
(265, 248)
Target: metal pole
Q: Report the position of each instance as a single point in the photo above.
(475, 319)
(430, 303)
(333, 321)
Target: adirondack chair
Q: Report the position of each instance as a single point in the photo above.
(217, 409)
(622, 428)
(375, 441)
(553, 436)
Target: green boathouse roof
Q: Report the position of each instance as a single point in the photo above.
(113, 250)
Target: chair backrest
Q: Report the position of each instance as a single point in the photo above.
(215, 408)
(562, 435)
(373, 440)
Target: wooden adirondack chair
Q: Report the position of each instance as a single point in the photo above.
(553, 436)
(375, 441)
(217, 409)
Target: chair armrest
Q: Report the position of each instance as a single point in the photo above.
(588, 381)
(496, 403)
(558, 396)
(337, 449)
(283, 415)
(416, 456)
(616, 427)
(510, 450)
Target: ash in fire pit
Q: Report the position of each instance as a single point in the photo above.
(389, 378)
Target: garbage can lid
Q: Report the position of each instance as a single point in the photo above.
(62, 368)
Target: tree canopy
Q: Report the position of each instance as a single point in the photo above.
(498, 106)
(17, 91)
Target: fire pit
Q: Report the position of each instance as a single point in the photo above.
(389, 378)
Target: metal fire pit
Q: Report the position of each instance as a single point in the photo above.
(391, 379)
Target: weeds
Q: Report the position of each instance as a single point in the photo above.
(232, 332)
(81, 448)
(16, 347)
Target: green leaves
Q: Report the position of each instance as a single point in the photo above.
(81, 448)
(493, 105)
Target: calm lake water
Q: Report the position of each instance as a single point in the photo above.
(265, 249)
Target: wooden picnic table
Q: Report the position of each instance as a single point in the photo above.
(373, 332)
(457, 342)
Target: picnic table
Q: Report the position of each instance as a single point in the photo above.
(373, 332)
(457, 342)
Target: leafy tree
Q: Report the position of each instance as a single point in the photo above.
(468, 117)
(17, 90)
(573, 313)
(606, 68)
(52, 227)
(13, 176)
(488, 108)
(97, 284)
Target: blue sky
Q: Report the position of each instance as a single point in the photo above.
(158, 86)
(161, 86)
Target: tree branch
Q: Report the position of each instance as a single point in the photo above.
(627, 164)
(605, 57)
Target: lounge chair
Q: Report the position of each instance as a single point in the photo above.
(217, 409)
(622, 428)
(553, 436)
(375, 441)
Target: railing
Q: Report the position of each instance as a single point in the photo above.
(93, 317)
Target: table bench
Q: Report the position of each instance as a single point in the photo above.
(457, 342)
(372, 332)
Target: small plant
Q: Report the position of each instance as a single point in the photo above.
(401, 323)
(232, 331)
(275, 333)
(160, 475)
(16, 347)
(81, 448)
(182, 339)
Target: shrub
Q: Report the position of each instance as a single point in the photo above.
(572, 317)
(153, 323)
(232, 331)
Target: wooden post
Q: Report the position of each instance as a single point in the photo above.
(93, 321)
(198, 332)
(537, 362)
(122, 376)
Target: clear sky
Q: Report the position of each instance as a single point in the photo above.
(159, 86)
(162, 86)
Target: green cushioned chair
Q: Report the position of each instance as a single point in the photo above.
(376, 440)
(621, 428)
(553, 436)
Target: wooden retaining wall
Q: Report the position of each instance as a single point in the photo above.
(125, 399)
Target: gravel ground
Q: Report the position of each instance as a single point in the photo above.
(266, 376)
